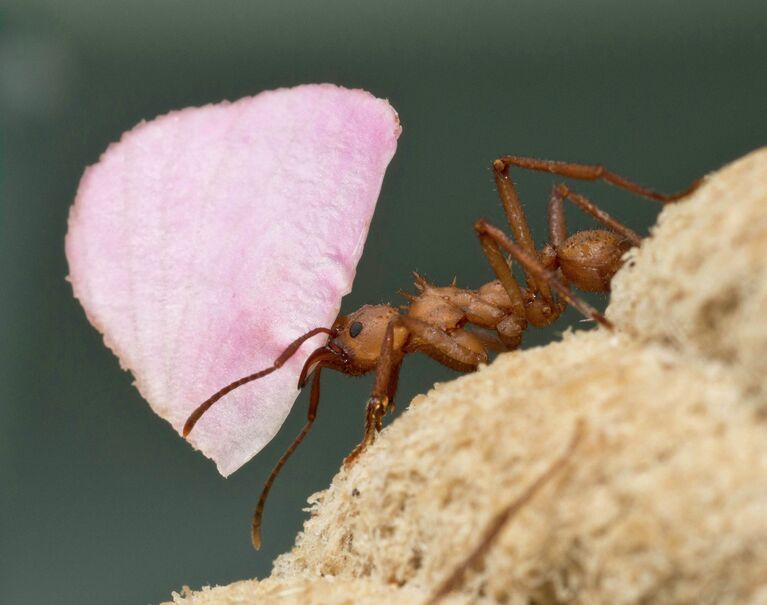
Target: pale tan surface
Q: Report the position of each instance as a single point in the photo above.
(665, 498)
(706, 270)
(299, 591)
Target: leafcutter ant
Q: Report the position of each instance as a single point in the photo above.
(377, 337)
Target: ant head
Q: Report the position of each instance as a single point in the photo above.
(359, 336)
(353, 348)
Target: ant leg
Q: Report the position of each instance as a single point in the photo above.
(556, 211)
(517, 218)
(510, 328)
(502, 271)
(563, 192)
(393, 384)
(517, 321)
(534, 266)
(588, 172)
(441, 346)
(437, 344)
(387, 376)
(499, 521)
(558, 228)
(374, 413)
(513, 207)
(314, 401)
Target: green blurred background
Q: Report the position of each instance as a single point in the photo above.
(100, 501)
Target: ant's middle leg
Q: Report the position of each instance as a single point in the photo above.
(558, 229)
(541, 311)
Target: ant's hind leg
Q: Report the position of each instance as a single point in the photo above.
(587, 172)
(534, 266)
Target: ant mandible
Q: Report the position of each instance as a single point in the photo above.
(377, 337)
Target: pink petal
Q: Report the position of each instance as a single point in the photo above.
(208, 239)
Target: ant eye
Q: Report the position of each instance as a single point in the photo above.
(355, 329)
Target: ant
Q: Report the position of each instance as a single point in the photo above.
(377, 337)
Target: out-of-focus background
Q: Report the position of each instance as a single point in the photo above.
(100, 501)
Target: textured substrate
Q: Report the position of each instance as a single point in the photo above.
(664, 499)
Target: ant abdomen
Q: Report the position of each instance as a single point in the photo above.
(589, 259)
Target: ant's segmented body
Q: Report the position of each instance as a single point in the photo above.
(377, 337)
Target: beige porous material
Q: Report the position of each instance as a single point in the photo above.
(664, 498)
(699, 284)
(299, 591)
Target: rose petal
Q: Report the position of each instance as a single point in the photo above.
(208, 239)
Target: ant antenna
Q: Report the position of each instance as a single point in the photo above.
(289, 351)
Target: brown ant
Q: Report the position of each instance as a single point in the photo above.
(377, 337)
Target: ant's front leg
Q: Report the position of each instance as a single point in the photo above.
(382, 397)
(419, 336)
